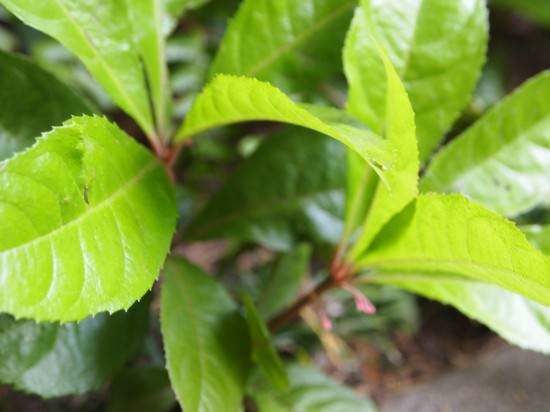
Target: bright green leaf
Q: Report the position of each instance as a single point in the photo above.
(263, 352)
(24, 87)
(284, 281)
(86, 217)
(538, 235)
(398, 127)
(278, 195)
(310, 391)
(447, 235)
(205, 340)
(55, 360)
(141, 389)
(285, 41)
(438, 49)
(502, 161)
(519, 320)
(101, 34)
(232, 99)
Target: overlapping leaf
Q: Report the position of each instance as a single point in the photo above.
(368, 200)
(87, 216)
(205, 339)
(55, 360)
(290, 43)
(438, 49)
(503, 161)
(111, 41)
(232, 99)
(439, 236)
(27, 87)
(290, 188)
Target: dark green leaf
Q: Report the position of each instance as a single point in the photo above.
(205, 339)
(279, 194)
(33, 101)
(55, 360)
(263, 352)
(143, 389)
(283, 283)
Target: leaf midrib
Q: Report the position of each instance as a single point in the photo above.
(297, 40)
(90, 211)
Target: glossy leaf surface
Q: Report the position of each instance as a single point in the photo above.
(263, 352)
(310, 391)
(205, 340)
(56, 360)
(502, 161)
(438, 49)
(290, 43)
(519, 320)
(278, 195)
(399, 130)
(27, 87)
(232, 99)
(101, 34)
(87, 216)
(447, 235)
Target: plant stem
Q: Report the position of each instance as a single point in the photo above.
(293, 312)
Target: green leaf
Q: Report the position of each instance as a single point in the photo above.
(101, 34)
(503, 160)
(538, 10)
(539, 236)
(283, 284)
(263, 352)
(438, 49)
(146, 17)
(141, 389)
(446, 235)
(285, 41)
(205, 340)
(24, 89)
(278, 195)
(398, 124)
(174, 10)
(232, 99)
(86, 217)
(56, 360)
(521, 321)
(310, 391)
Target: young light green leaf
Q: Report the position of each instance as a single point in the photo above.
(283, 284)
(86, 217)
(503, 161)
(146, 17)
(56, 360)
(285, 41)
(519, 320)
(399, 129)
(24, 87)
(263, 352)
(278, 196)
(310, 391)
(141, 389)
(539, 236)
(101, 34)
(205, 340)
(447, 235)
(438, 49)
(232, 99)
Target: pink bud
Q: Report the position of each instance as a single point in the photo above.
(362, 303)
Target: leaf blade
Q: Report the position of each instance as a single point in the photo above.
(86, 235)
